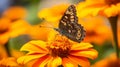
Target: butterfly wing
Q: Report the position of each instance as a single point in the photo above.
(69, 26)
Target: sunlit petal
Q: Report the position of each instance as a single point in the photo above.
(22, 25)
(89, 53)
(81, 46)
(42, 62)
(8, 62)
(35, 46)
(66, 62)
(80, 60)
(27, 58)
(55, 62)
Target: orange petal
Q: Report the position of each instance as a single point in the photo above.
(5, 24)
(53, 14)
(35, 46)
(111, 11)
(27, 58)
(15, 12)
(4, 38)
(41, 62)
(8, 62)
(51, 35)
(66, 62)
(95, 2)
(19, 27)
(3, 53)
(81, 46)
(35, 31)
(80, 60)
(56, 61)
(90, 53)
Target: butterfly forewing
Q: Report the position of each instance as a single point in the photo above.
(69, 26)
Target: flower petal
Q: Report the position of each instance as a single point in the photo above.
(80, 60)
(4, 38)
(22, 25)
(52, 35)
(111, 11)
(66, 62)
(38, 46)
(27, 58)
(8, 62)
(41, 62)
(15, 12)
(90, 53)
(81, 46)
(53, 14)
(55, 62)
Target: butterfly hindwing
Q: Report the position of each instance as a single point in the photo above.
(69, 26)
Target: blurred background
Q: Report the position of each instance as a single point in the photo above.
(20, 20)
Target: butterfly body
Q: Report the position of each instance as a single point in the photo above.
(68, 25)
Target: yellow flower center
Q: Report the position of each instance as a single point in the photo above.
(110, 2)
(60, 47)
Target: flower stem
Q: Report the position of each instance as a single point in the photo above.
(7, 49)
(113, 22)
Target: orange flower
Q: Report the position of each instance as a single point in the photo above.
(110, 61)
(108, 8)
(8, 29)
(15, 12)
(9, 62)
(58, 50)
(53, 14)
(6, 61)
(3, 53)
(96, 28)
(118, 34)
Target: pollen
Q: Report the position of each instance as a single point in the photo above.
(110, 2)
(60, 47)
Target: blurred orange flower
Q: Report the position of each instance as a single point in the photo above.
(3, 53)
(9, 62)
(111, 61)
(8, 29)
(108, 8)
(118, 34)
(6, 61)
(97, 31)
(40, 33)
(58, 50)
(15, 13)
(54, 13)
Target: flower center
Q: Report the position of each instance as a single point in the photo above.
(91, 33)
(3, 30)
(114, 63)
(110, 2)
(60, 47)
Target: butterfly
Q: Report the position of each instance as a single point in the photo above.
(69, 27)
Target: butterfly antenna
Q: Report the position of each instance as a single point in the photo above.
(42, 26)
